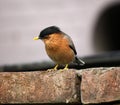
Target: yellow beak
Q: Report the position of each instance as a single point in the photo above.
(36, 38)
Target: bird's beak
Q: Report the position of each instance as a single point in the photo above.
(35, 38)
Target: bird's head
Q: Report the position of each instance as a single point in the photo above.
(48, 31)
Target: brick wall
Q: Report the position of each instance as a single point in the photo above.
(86, 86)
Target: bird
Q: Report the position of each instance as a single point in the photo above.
(59, 47)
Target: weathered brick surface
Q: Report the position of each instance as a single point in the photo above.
(87, 86)
(39, 87)
(100, 85)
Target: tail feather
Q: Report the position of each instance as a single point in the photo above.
(79, 61)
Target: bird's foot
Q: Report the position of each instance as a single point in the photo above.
(66, 68)
(54, 69)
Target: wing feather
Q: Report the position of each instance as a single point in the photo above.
(71, 44)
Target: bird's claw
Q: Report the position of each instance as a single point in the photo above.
(55, 68)
(49, 70)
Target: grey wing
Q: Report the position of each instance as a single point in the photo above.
(71, 44)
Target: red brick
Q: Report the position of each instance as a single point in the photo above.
(39, 87)
(100, 85)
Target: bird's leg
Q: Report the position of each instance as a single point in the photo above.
(54, 69)
(66, 67)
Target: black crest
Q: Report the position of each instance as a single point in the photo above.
(48, 31)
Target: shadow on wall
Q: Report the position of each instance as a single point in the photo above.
(107, 30)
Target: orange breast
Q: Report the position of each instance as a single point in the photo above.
(58, 49)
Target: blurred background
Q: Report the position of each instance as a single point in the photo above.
(93, 25)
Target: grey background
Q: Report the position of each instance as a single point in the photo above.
(21, 20)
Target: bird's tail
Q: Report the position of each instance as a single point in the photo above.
(79, 61)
